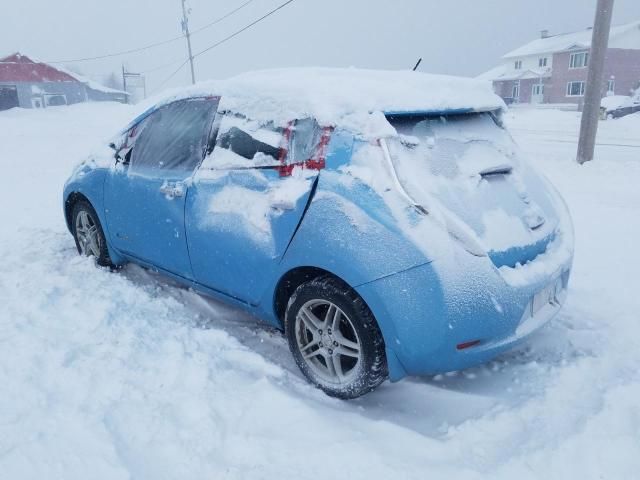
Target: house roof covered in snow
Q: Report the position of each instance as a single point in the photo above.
(21, 68)
(507, 72)
(330, 94)
(566, 41)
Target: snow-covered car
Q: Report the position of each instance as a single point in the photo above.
(386, 221)
(616, 106)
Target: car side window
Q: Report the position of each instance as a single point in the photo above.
(245, 143)
(172, 138)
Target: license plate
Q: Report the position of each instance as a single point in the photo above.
(543, 297)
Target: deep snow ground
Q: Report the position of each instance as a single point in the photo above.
(124, 375)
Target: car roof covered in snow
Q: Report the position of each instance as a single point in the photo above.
(339, 96)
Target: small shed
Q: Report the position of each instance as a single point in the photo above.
(30, 84)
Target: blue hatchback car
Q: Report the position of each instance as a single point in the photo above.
(385, 221)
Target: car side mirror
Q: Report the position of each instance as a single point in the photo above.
(119, 158)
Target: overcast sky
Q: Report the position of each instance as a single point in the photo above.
(462, 37)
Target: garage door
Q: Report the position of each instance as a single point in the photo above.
(8, 97)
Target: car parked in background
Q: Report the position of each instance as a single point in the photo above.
(385, 221)
(616, 106)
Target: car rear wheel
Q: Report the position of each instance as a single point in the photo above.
(88, 234)
(334, 338)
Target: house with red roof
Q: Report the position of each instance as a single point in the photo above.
(27, 83)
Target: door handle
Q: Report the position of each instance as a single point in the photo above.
(283, 205)
(172, 189)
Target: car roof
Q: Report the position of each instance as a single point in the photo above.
(340, 97)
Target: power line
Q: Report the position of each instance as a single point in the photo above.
(218, 20)
(156, 44)
(118, 54)
(224, 40)
(164, 82)
(164, 65)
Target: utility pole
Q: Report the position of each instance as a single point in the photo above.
(185, 29)
(124, 84)
(593, 92)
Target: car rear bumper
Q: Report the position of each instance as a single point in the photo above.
(453, 314)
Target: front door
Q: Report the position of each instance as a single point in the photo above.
(537, 93)
(145, 194)
(247, 200)
(515, 91)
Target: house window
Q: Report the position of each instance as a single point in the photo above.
(518, 64)
(537, 89)
(542, 62)
(611, 86)
(579, 60)
(575, 89)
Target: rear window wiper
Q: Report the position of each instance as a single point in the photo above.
(497, 170)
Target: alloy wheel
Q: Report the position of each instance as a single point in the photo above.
(328, 342)
(87, 234)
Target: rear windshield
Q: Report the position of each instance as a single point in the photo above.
(447, 146)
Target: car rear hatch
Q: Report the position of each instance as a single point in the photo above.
(466, 166)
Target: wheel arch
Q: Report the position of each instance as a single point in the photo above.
(72, 199)
(290, 281)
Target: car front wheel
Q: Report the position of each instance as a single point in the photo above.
(335, 339)
(88, 234)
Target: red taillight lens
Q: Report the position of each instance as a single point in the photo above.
(315, 163)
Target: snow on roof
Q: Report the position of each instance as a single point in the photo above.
(90, 83)
(565, 41)
(21, 68)
(507, 72)
(331, 95)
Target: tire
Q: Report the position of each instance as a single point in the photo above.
(88, 234)
(328, 323)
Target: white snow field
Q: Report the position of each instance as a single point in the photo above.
(127, 376)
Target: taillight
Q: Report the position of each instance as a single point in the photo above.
(317, 162)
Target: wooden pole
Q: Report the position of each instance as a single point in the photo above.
(593, 92)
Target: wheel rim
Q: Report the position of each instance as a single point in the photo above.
(87, 234)
(328, 342)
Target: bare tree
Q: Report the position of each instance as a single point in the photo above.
(113, 81)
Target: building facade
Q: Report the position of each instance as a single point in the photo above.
(553, 69)
(29, 84)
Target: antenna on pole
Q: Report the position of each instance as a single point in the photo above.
(417, 64)
(185, 30)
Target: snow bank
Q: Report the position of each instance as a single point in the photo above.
(122, 375)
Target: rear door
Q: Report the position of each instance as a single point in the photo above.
(247, 200)
(145, 194)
